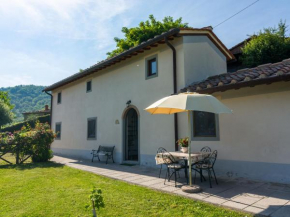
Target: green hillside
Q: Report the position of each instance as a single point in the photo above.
(26, 98)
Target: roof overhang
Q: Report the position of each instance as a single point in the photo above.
(210, 34)
(243, 84)
(249, 77)
(144, 46)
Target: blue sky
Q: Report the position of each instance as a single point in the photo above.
(44, 41)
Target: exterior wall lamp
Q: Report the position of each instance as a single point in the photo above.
(128, 103)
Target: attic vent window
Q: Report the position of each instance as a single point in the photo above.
(59, 98)
(151, 67)
(89, 86)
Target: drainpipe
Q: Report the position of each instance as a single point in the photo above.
(51, 99)
(174, 90)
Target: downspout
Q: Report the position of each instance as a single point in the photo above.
(174, 90)
(51, 99)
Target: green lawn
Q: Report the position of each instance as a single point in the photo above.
(50, 189)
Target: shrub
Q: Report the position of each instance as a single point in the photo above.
(29, 142)
(44, 136)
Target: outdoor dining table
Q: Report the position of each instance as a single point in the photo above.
(178, 155)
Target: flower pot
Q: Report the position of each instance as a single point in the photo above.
(184, 149)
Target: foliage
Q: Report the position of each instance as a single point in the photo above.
(6, 116)
(51, 189)
(96, 198)
(29, 142)
(268, 46)
(43, 137)
(183, 142)
(30, 117)
(26, 98)
(146, 30)
(19, 125)
(6, 99)
(6, 138)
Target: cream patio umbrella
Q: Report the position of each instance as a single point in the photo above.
(188, 102)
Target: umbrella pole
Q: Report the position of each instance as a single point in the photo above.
(190, 188)
(189, 146)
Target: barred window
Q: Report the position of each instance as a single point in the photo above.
(92, 128)
(58, 130)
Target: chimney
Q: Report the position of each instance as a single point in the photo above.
(46, 107)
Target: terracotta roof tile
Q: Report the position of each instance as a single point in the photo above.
(266, 73)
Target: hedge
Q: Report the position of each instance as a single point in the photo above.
(18, 126)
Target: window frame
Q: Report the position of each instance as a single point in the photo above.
(88, 91)
(58, 98)
(58, 123)
(205, 138)
(89, 119)
(147, 68)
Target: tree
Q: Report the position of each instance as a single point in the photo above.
(6, 99)
(26, 98)
(268, 46)
(146, 30)
(6, 116)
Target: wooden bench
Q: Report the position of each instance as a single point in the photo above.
(107, 151)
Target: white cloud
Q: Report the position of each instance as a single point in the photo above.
(74, 19)
(56, 22)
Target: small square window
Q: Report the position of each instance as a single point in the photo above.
(89, 86)
(205, 126)
(92, 128)
(58, 131)
(59, 98)
(151, 67)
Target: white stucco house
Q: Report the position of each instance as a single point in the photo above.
(104, 105)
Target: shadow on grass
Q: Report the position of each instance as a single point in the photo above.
(29, 166)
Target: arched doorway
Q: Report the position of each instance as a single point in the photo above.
(131, 135)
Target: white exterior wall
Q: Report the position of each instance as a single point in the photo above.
(255, 139)
(110, 91)
(201, 59)
(113, 87)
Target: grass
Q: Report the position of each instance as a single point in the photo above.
(51, 189)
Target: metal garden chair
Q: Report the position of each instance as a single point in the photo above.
(207, 164)
(205, 149)
(173, 166)
(160, 151)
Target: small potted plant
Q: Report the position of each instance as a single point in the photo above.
(183, 143)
